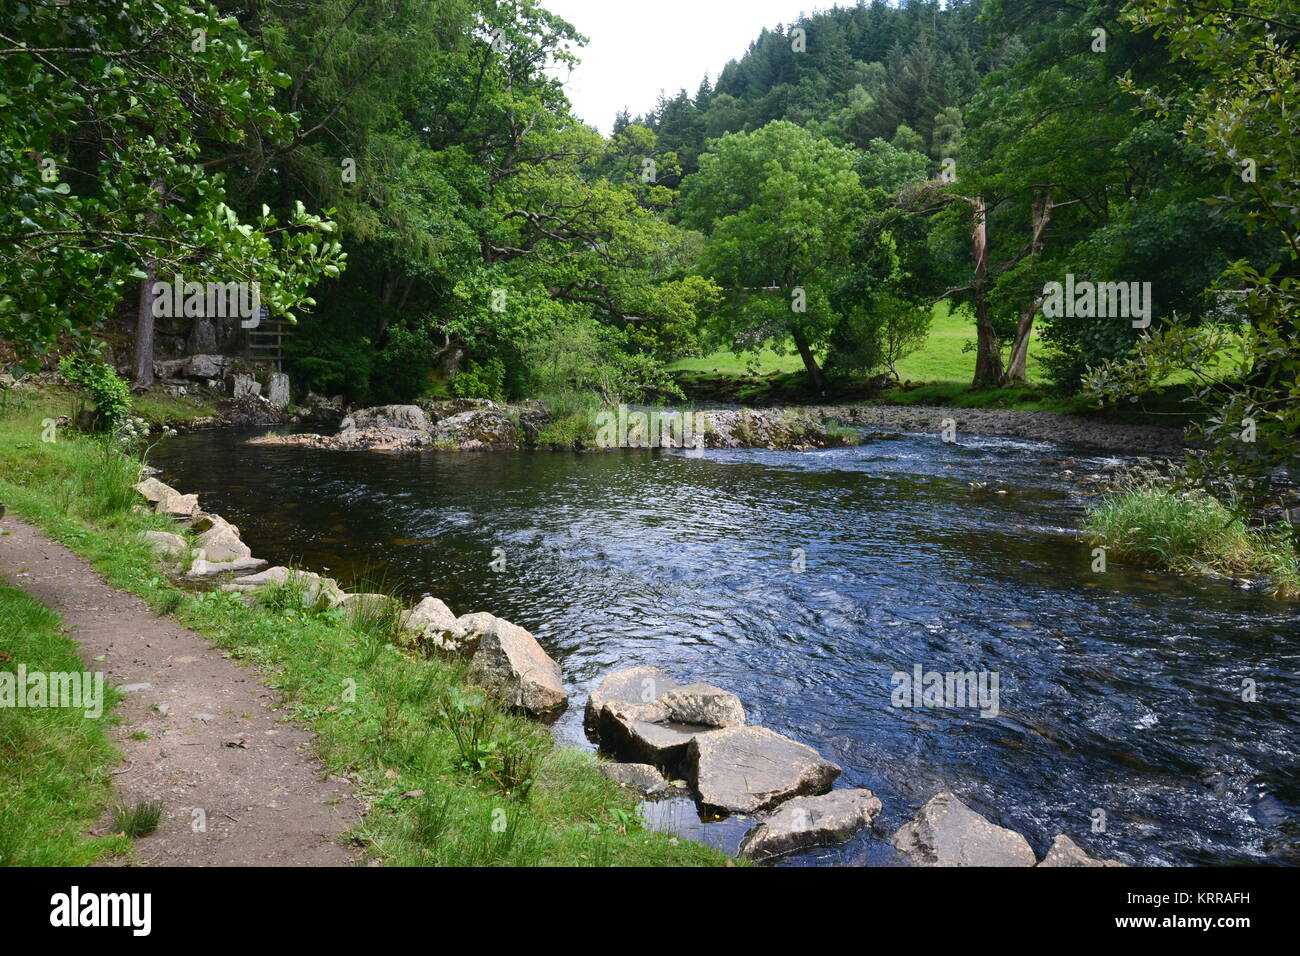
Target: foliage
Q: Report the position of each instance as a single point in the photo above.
(110, 393)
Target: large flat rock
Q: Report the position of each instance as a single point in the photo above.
(946, 832)
(748, 769)
(633, 685)
(811, 821)
(637, 733)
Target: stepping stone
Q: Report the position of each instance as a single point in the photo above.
(811, 821)
(748, 769)
(946, 832)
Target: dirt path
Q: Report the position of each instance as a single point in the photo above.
(215, 743)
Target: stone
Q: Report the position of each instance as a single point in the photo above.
(946, 832)
(177, 505)
(637, 733)
(166, 544)
(434, 626)
(369, 603)
(1065, 852)
(409, 417)
(640, 778)
(154, 490)
(511, 665)
(748, 769)
(811, 821)
(477, 429)
(202, 570)
(703, 704)
(277, 390)
(244, 387)
(206, 366)
(221, 543)
(315, 589)
(632, 685)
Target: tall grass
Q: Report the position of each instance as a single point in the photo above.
(1192, 532)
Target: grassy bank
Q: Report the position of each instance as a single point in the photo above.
(54, 761)
(1192, 533)
(449, 778)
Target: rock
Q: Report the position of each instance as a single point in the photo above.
(1065, 852)
(532, 421)
(641, 685)
(277, 390)
(315, 589)
(811, 821)
(221, 542)
(946, 832)
(408, 417)
(636, 732)
(512, 666)
(478, 429)
(202, 570)
(434, 626)
(244, 387)
(370, 604)
(166, 544)
(154, 490)
(206, 366)
(747, 769)
(640, 778)
(177, 505)
(703, 704)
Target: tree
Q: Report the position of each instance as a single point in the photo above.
(779, 207)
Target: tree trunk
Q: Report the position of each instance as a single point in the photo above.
(988, 352)
(142, 364)
(1016, 363)
(809, 360)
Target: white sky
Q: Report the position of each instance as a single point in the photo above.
(639, 47)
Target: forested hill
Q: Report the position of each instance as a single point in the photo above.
(860, 73)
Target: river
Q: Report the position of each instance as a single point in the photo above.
(803, 581)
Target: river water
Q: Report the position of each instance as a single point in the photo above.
(803, 581)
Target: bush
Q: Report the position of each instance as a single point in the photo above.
(109, 391)
(482, 379)
(1192, 532)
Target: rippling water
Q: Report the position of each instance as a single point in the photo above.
(1118, 691)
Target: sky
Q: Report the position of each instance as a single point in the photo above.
(639, 47)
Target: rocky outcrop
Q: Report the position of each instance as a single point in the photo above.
(811, 821)
(703, 704)
(1065, 852)
(511, 665)
(946, 832)
(747, 769)
(795, 429)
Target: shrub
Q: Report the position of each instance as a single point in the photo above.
(110, 393)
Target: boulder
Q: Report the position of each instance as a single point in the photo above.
(244, 387)
(221, 542)
(638, 733)
(277, 390)
(477, 429)
(408, 417)
(1065, 852)
(202, 570)
(640, 778)
(511, 665)
(748, 769)
(811, 821)
(206, 366)
(640, 685)
(434, 626)
(154, 490)
(946, 832)
(177, 505)
(703, 704)
(167, 545)
(316, 589)
(369, 604)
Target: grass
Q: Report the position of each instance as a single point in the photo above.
(54, 761)
(139, 820)
(1191, 533)
(376, 704)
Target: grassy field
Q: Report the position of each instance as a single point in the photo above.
(941, 359)
(450, 778)
(54, 761)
